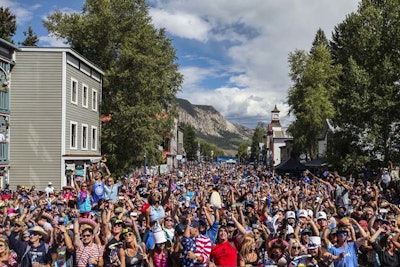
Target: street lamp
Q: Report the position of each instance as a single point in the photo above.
(144, 164)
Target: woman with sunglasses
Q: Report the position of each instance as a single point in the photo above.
(83, 197)
(294, 252)
(133, 251)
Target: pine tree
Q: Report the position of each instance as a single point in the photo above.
(31, 38)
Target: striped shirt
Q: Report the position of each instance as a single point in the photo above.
(84, 253)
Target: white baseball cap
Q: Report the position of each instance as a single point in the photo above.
(321, 215)
(303, 213)
(290, 214)
(314, 242)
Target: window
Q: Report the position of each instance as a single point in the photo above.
(73, 134)
(85, 92)
(94, 100)
(94, 138)
(84, 136)
(74, 91)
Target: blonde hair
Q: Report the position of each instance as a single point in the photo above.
(294, 243)
(7, 250)
(247, 244)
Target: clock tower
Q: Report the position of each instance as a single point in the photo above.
(275, 115)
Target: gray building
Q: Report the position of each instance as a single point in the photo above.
(7, 62)
(55, 116)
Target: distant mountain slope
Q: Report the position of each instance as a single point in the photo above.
(212, 126)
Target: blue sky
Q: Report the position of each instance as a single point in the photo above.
(233, 53)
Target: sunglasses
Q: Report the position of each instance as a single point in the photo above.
(342, 233)
(118, 224)
(168, 220)
(295, 247)
(84, 236)
(128, 234)
(34, 233)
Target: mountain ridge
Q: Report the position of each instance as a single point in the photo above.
(211, 126)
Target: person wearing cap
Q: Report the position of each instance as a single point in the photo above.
(159, 255)
(112, 237)
(87, 250)
(33, 253)
(133, 251)
(344, 252)
(196, 247)
(223, 253)
(49, 189)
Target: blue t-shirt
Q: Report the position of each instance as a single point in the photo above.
(350, 257)
(97, 192)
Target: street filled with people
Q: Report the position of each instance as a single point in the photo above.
(204, 215)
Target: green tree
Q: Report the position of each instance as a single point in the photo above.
(315, 81)
(141, 75)
(366, 44)
(242, 153)
(190, 142)
(31, 38)
(257, 138)
(8, 24)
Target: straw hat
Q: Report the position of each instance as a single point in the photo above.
(40, 230)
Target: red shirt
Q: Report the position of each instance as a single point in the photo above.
(224, 254)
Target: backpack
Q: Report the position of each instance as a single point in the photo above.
(28, 248)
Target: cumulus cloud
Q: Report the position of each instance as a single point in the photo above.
(257, 36)
(23, 13)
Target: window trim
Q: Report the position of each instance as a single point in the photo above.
(93, 142)
(85, 103)
(70, 135)
(94, 99)
(76, 90)
(84, 145)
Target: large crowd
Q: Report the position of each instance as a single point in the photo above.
(204, 215)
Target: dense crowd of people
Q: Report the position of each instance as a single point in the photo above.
(204, 215)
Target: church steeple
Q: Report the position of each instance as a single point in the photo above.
(275, 114)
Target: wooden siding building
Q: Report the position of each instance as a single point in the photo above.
(55, 116)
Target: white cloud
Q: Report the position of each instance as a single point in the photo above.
(261, 33)
(181, 24)
(23, 13)
(51, 41)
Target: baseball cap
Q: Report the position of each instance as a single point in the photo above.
(314, 242)
(195, 224)
(303, 213)
(290, 214)
(321, 215)
(306, 231)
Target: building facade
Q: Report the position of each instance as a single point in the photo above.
(276, 138)
(55, 116)
(7, 63)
